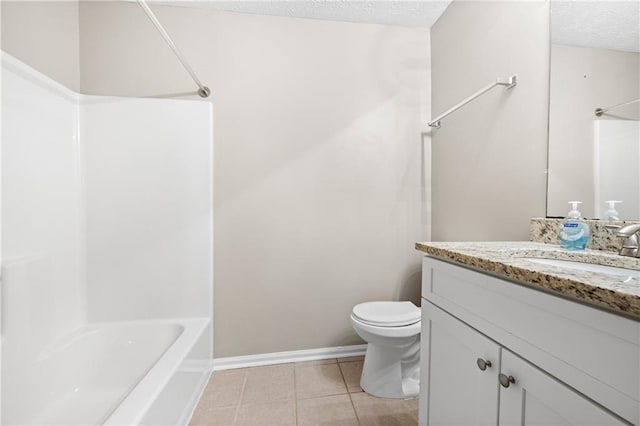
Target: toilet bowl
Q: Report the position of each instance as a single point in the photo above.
(392, 361)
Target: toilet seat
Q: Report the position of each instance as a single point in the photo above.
(387, 314)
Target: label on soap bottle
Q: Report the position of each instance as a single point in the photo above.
(572, 231)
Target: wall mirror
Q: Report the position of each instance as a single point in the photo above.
(595, 63)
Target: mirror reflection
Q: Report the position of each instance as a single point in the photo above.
(595, 65)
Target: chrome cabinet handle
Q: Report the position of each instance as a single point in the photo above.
(505, 381)
(483, 364)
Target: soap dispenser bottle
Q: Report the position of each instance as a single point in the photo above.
(574, 232)
(612, 213)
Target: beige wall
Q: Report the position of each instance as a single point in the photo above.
(583, 79)
(489, 158)
(44, 35)
(320, 188)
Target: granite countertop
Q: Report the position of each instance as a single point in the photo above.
(616, 293)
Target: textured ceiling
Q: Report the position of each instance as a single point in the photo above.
(404, 13)
(602, 24)
(606, 24)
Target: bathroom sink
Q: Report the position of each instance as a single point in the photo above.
(585, 267)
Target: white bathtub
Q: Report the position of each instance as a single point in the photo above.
(107, 373)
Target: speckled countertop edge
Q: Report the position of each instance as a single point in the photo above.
(615, 293)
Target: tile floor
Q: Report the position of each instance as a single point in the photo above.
(307, 393)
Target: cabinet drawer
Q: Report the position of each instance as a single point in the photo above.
(596, 352)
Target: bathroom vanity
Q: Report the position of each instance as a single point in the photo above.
(508, 339)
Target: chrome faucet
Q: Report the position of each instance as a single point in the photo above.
(631, 235)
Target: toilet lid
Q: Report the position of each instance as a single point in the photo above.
(387, 314)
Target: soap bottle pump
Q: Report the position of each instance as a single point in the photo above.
(574, 232)
(612, 213)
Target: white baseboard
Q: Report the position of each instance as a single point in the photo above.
(285, 357)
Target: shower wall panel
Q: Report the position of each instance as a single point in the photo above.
(41, 207)
(149, 208)
(43, 273)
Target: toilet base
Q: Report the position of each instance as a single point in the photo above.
(392, 371)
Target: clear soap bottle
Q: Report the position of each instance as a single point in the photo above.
(574, 231)
(612, 213)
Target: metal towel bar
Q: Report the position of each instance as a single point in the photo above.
(508, 82)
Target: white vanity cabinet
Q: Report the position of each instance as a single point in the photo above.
(462, 393)
(571, 364)
(536, 398)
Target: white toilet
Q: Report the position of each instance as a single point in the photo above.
(392, 362)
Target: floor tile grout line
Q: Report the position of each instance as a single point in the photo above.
(295, 394)
(321, 396)
(353, 406)
(244, 385)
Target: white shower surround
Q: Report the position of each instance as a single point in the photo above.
(107, 258)
(616, 155)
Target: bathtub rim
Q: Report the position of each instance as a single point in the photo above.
(136, 403)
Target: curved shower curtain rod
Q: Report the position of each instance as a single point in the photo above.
(600, 111)
(203, 90)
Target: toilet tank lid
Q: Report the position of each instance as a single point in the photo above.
(387, 314)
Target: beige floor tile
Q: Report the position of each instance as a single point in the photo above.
(351, 358)
(316, 362)
(374, 411)
(319, 380)
(224, 389)
(268, 384)
(351, 371)
(281, 413)
(335, 410)
(213, 416)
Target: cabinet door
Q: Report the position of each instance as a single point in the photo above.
(536, 399)
(454, 389)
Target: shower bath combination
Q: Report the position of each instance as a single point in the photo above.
(107, 260)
